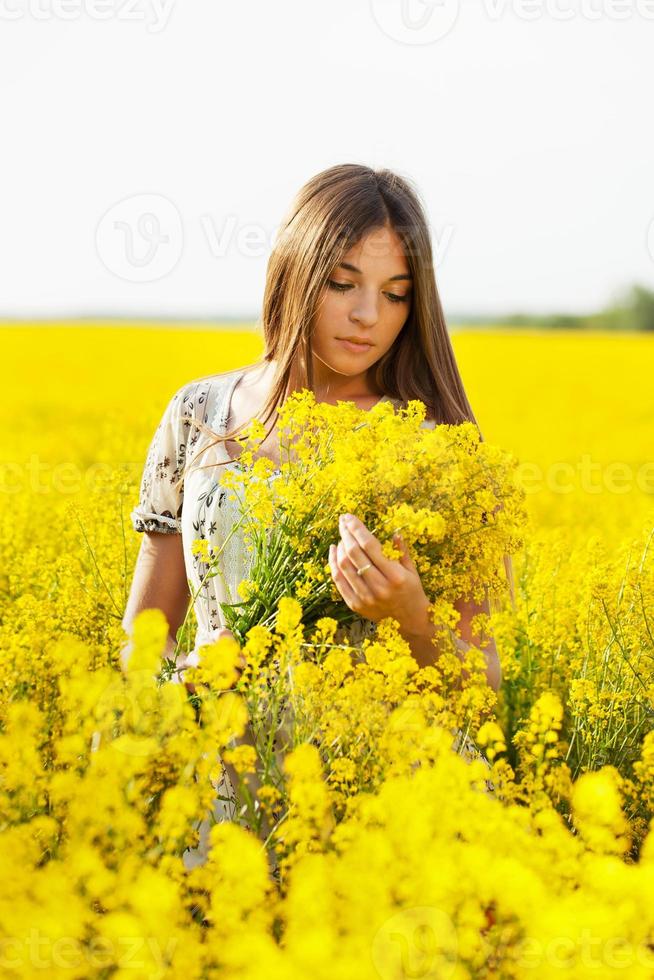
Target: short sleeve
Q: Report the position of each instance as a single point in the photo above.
(161, 494)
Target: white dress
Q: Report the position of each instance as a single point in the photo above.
(201, 508)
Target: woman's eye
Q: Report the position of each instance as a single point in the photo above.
(340, 287)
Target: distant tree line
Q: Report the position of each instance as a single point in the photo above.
(631, 310)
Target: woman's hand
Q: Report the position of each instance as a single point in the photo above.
(387, 588)
(192, 659)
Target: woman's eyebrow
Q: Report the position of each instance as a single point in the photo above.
(353, 268)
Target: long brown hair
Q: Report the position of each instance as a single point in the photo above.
(330, 214)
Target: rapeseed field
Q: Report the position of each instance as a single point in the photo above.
(400, 861)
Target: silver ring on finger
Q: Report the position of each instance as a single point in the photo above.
(360, 571)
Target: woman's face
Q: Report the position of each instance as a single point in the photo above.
(367, 296)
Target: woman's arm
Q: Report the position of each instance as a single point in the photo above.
(159, 582)
(426, 652)
(468, 609)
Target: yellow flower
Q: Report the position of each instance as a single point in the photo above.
(218, 664)
(200, 547)
(242, 757)
(288, 616)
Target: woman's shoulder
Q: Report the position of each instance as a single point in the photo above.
(197, 399)
(190, 414)
(209, 383)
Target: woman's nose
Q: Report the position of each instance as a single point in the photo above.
(366, 310)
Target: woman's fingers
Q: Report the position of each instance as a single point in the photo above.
(358, 548)
(362, 547)
(344, 587)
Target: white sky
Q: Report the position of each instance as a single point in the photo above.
(527, 128)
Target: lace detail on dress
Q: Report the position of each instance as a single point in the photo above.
(165, 523)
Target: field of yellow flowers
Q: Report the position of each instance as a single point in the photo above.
(398, 862)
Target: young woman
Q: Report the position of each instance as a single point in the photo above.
(352, 312)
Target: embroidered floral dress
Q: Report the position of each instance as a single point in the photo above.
(200, 508)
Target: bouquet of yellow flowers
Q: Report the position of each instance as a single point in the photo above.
(454, 497)
(459, 507)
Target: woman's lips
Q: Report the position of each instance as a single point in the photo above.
(355, 348)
